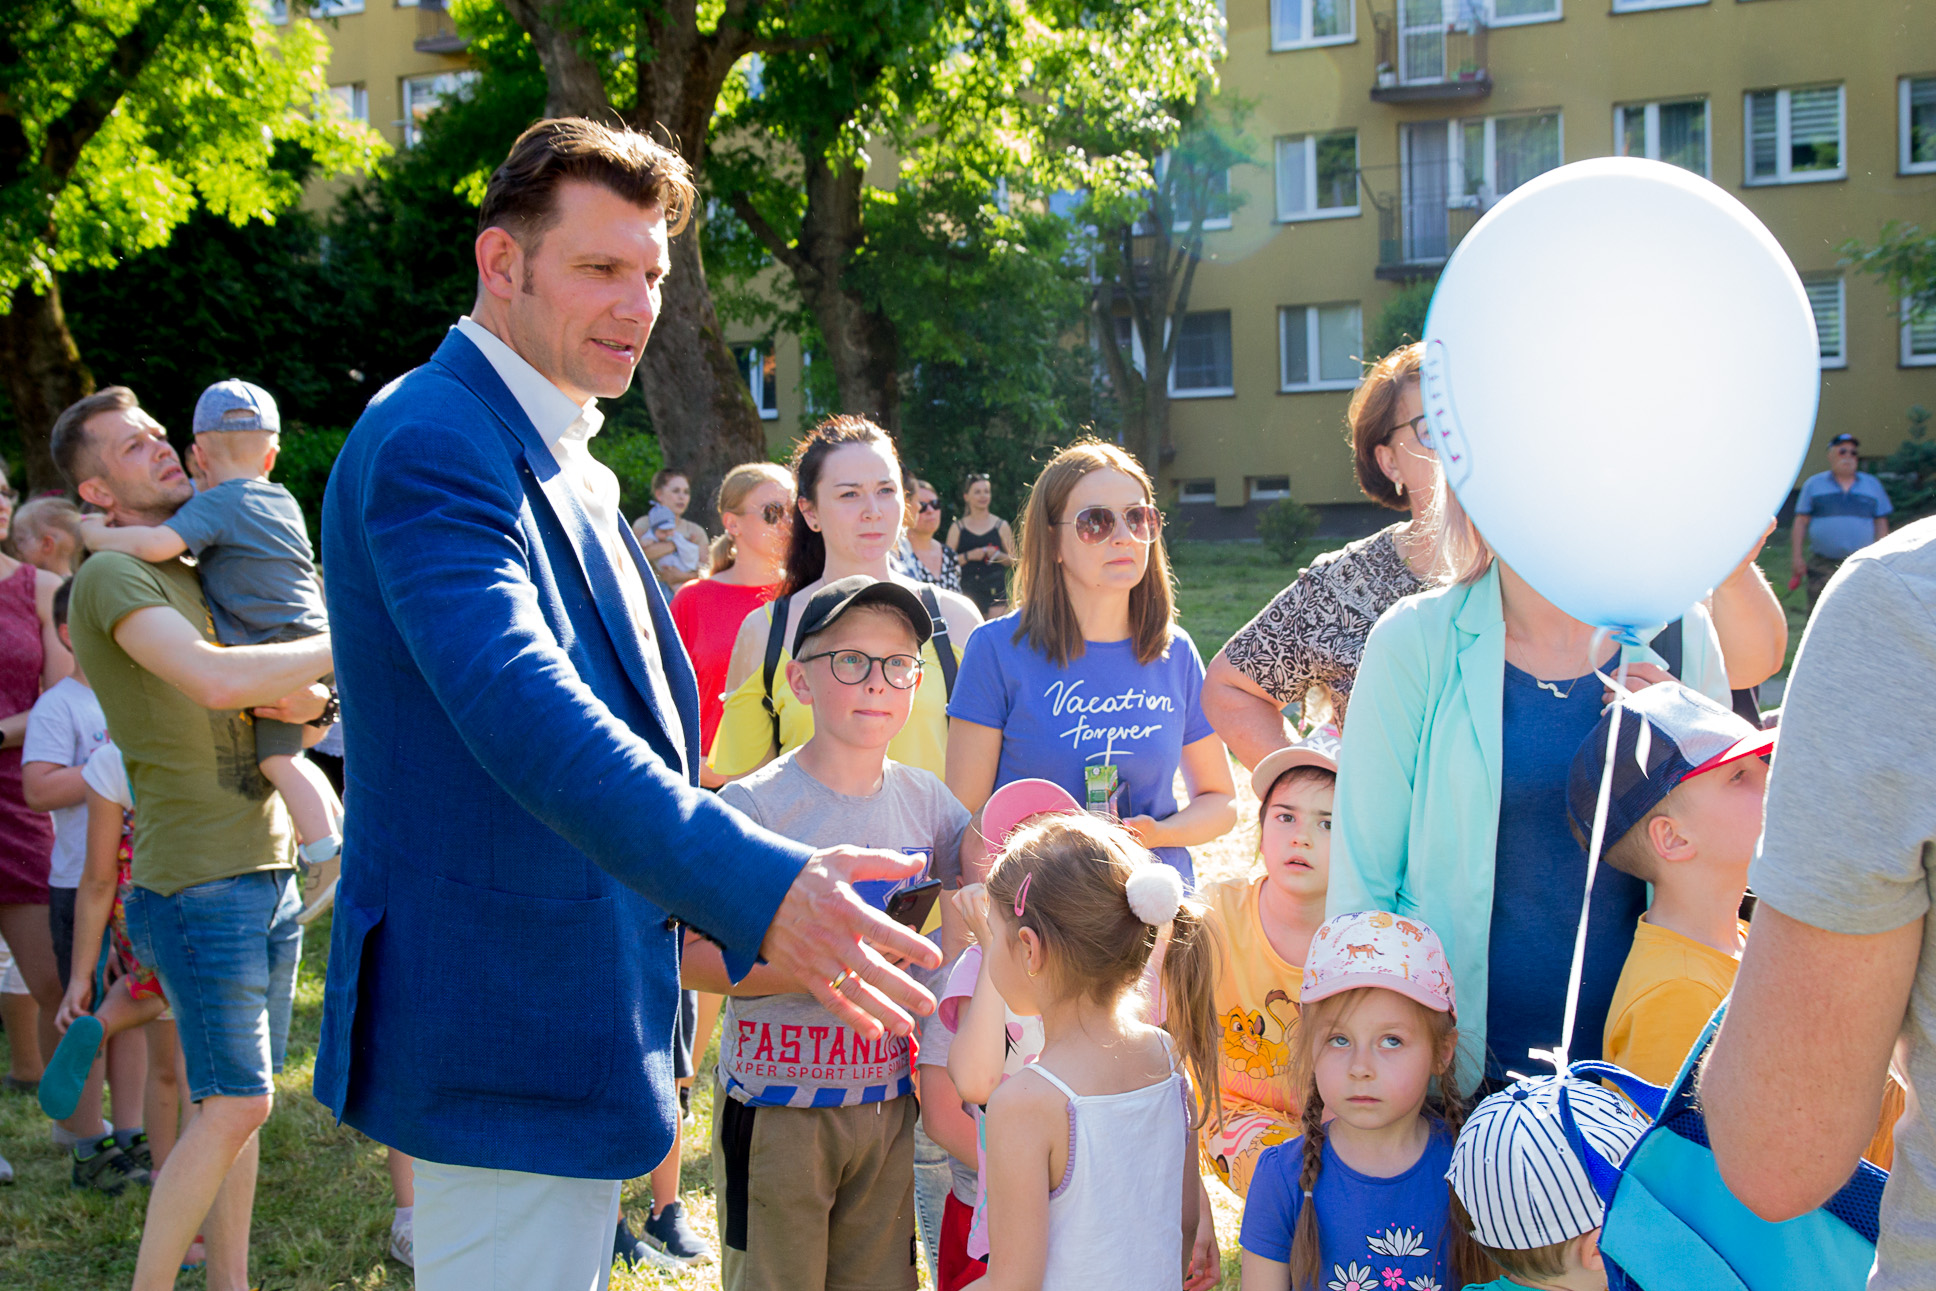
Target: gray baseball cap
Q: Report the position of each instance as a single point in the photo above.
(235, 404)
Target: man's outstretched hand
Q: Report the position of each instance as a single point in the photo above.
(823, 932)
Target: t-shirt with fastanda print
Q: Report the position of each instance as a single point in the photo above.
(786, 1050)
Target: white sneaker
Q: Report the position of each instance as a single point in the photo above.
(402, 1244)
(6, 1171)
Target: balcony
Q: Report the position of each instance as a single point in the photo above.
(436, 33)
(1419, 224)
(1431, 51)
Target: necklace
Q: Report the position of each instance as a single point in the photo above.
(1557, 692)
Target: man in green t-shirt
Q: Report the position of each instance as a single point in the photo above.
(214, 903)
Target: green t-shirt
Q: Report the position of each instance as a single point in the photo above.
(203, 810)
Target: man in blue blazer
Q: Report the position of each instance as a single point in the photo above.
(524, 832)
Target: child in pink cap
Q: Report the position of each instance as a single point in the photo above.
(1360, 1202)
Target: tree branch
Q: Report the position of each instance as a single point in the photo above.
(573, 86)
(782, 250)
(101, 92)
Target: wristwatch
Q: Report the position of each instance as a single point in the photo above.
(327, 718)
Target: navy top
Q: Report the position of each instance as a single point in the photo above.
(1539, 875)
(1372, 1232)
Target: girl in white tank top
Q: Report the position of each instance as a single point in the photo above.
(1090, 1147)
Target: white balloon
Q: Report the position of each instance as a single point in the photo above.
(1621, 376)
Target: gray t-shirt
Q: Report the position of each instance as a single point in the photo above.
(257, 568)
(1849, 840)
(786, 1050)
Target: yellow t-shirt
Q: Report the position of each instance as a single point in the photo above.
(1668, 989)
(745, 735)
(1256, 1000)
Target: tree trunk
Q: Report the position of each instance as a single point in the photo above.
(44, 375)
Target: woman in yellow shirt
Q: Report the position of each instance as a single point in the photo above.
(846, 520)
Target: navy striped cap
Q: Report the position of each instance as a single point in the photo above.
(1514, 1173)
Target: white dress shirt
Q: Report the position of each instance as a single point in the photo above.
(567, 428)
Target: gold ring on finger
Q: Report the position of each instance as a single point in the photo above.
(839, 980)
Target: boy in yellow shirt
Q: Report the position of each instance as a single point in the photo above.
(1688, 783)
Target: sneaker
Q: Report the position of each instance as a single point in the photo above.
(65, 1138)
(134, 1142)
(104, 1167)
(403, 1247)
(6, 1171)
(686, 1114)
(319, 888)
(669, 1232)
(633, 1253)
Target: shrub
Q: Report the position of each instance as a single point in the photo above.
(1909, 473)
(1284, 524)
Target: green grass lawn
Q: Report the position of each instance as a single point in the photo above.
(1220, 586)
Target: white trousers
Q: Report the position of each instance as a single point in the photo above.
(504, 1230)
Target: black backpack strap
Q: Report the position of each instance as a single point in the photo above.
(775, 642)
(1669, 645)
(944, 649)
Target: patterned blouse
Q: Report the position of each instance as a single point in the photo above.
(1312, 635)
(910, 564)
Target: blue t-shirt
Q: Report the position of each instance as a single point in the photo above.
(1370, 1230)
(1841, 522)
(1539, 876)
(1104, 708)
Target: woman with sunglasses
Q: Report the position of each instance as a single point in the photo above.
(747, 562)
(846, 520)
(924, 557)
(1090, 683)
(985, 546)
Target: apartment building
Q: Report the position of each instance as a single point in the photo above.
(390, 61)
(1387, 127)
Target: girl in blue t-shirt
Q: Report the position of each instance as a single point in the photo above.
(1090, 683)
(1361, 1203)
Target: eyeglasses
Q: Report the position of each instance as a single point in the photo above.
(853, 668)
(1098, 524)
(1420, 431)
(770, 513)
(930, 505)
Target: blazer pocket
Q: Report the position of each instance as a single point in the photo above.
(529, 983)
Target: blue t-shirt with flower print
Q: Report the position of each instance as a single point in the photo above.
(1373, 1234)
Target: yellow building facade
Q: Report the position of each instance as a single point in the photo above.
(390, 61)
(1386, 128)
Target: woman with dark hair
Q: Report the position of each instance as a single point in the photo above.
(923, 557)
(985, 546)
(1090, 683)
(846, 520)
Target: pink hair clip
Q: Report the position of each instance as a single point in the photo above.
(1021, 894)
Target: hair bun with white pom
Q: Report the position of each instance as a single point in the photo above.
(1155, 892)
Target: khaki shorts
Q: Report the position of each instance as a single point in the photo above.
(815, 1198)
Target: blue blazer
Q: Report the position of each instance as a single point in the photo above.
(522, 835)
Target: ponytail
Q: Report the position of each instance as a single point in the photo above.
(724, 552)
(1307, 1264)
(1190, 968)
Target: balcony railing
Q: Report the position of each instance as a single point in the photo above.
(1430, 51)
(436, 33)
(1419, 224)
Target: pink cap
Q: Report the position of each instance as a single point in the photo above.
(1373, 948)
(1016, 801)
(1318, 749)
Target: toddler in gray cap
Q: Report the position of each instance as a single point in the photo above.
(259, 574)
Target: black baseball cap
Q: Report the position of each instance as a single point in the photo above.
(1845, 438)
(825, 606)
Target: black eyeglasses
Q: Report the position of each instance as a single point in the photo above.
(1420, 431)
(1098, 524)
(930, 505)
(853, 667)
(770, 512)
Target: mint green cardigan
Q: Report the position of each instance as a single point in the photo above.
(1417, 811)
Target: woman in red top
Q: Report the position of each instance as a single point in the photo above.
(755, 505)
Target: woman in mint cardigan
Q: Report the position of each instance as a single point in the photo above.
(1469, 705)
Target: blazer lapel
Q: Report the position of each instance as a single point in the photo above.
(594, 562)
(1480, 630)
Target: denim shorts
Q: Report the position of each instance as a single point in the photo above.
(226, 953)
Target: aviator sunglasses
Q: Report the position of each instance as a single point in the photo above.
(771, 513)
(1096, 524)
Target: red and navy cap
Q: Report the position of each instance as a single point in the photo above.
(1685, 734)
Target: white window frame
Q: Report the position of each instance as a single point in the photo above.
(1840, 359)
(334, 8)
(408, 121)
(753, 359)
(1784, 138)
(1523, 20)
(411, 4)
(1904, 165)
(1489, 165)
(1208, 392)
(1651, 128)
(1258, 493)
(1309, 161)
(1312, 357)
(1350, 37)
(355, 98)
(1909, 358)
(1641, 6)
(1186, 497)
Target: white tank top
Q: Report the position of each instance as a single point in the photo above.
(1116, 1218)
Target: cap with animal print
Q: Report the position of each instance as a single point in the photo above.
(1373, 948)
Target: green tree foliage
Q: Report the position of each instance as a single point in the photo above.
(1909, 473)
(1402, 320)
(1904, 257)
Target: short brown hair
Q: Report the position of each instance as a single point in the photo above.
(68, 442)
(1531, 1264)
(1047, 617)
(522, 195)
(1370, 419)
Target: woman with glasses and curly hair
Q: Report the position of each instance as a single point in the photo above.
(1090, 683)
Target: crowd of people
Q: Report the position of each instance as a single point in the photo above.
(909, 824)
